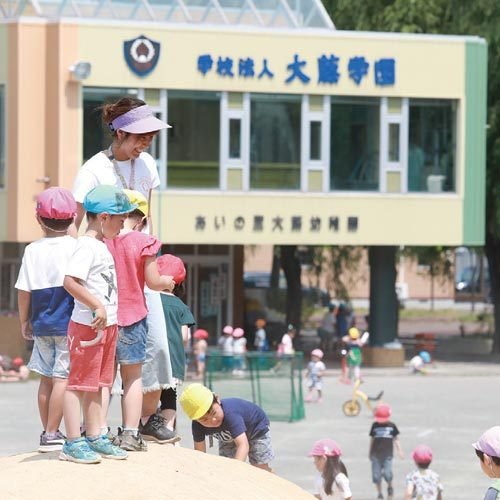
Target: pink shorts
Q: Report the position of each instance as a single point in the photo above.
(91, 366)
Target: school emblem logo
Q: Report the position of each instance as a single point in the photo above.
(141, 54)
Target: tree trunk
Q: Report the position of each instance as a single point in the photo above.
(492, 248)
(291, 267)
(275, 271)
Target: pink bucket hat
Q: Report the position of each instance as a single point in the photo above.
(489, 442)
(318, 353)
(238, 332)
(228, 330)
(140, 120)
(56, 203)
(382, 413)
(422, 454)
(170, 265)
(325, 448)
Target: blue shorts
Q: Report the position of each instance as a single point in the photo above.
(131, 346)
(50, 356)
(381, 468)
(259, 453)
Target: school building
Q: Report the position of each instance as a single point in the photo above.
(285, 130)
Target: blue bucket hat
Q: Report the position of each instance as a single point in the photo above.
(108, 199)
(426, 357)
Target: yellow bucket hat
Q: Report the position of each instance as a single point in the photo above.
(196, 400)
(353, 333)
(138, 199)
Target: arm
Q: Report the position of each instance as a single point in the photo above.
(397, 444)
(23, 306)
(200, 446)
(149, 218)
(153, 278)
(242, 447)
(185, 334)
(80, 213)
(370, 449)
(409, 492)
(75, 288)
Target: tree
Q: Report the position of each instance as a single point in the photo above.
(290, 263)
(459, 17)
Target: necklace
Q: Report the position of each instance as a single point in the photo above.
(116, 167)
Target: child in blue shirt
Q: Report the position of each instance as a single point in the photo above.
(241, 427)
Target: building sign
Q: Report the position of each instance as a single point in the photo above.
(327, 69)
(276, 224)
(141, 54)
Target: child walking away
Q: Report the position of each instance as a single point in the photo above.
(487, 450)
(134, 253)
(260, 342)
(315, 370)
(384, 437)
(40, 289)
(93, 331)
(423, 483)
(241, 427)
(332, 481)
(178, 319)
(200, 351)
(239, 350)
(418, 362)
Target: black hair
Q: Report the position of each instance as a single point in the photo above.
(480, 454)
(58, 225)
(423, 465)
(333, 467)
(91, 216)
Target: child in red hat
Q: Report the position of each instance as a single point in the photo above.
(332, 481)
(200, 351)
(384, 437)
(423, 483)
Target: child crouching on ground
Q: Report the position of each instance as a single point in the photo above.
(93, 331)
(488, 451)
(423, 482)
(333, 481)
(241, 427)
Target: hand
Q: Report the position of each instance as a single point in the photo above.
(26, 330)
(100, 318)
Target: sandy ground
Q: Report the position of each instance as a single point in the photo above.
(164, 472)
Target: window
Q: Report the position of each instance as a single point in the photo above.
(315, 141)
(354, 145)
(431, 149)
(235, 138)
(2, 136)
(275, 141)
(96, 135)
(193, 140)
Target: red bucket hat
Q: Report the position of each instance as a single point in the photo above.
(56, 203)
(170, 265)
(325, 448)
(422, 454)
(200, 334)
(382, 413)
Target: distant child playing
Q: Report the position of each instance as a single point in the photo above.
(93, 331)
(423, 483)
(315, 370)
(45, 308)
(418, 362)
(200, 347)
(384, 437)
(134, 253)
(487, 449)
(239, 350)
(241, 427)
(332, 481)
(178, 319)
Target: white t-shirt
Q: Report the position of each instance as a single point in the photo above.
(287, 342)
(240, 345)
(94, 265)
(340, 488)
(100, 170)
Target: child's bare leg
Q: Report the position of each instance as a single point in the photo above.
(55, 406)
(132, 395)
(105, 402)
(150, 402)
(169, 416)
(44, 391)
(92, 412)
(72, 411)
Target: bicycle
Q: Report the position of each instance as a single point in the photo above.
(352, 407)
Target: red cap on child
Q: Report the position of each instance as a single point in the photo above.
(56, 203)
(422, 454)
(170, 265)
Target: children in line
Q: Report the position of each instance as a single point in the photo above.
(332, 481)
(93, 330)
(384, 437)
(45, 308)
(134, 253)
(423, 483)
(160, 427)
(315, 371)
(200, 347)
(241, 427)
(487, 449)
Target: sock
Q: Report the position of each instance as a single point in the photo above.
(133, 430)
(50, 435)
(104, 430)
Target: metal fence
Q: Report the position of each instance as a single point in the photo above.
(272, 381)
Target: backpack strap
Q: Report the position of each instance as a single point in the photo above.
(491, 493)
